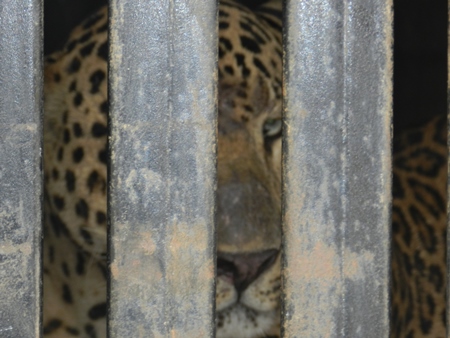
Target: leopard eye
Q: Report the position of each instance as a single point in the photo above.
(272, 128)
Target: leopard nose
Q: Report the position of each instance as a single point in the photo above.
(244, 268)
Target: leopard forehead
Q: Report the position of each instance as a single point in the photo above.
(250, 62)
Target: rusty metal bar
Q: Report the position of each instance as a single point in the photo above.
(337, 168)
(20, 167)
(162, 168)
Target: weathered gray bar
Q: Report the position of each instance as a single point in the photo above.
(337, 168)
(162, 168)
(20, 167)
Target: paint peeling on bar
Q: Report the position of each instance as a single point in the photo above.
(337, 168)
(20, 168)
(162, 171)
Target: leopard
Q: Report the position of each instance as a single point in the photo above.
(248, 193)
(419, 231)
(248, 164)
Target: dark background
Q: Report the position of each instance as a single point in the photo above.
(420, 51)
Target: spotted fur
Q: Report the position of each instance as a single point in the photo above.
(419, 223)
(248, 192)
(76, 114)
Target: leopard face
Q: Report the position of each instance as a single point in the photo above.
(249, 175)
(249, 178)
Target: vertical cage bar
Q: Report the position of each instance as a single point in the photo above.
(162, 168)
(337, 168)
(20, 167)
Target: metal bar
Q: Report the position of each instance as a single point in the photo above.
(20, 167)
(162, 168)
(337, 168)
